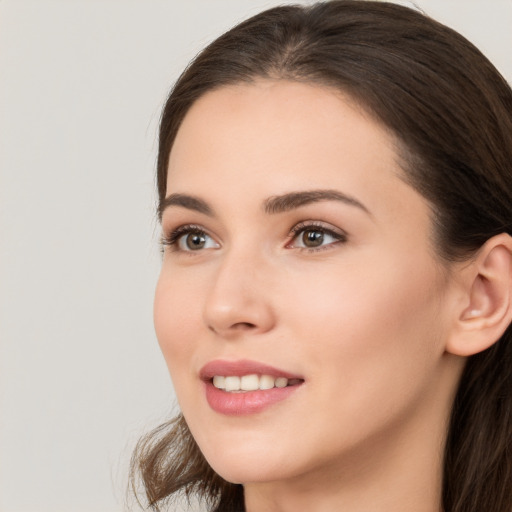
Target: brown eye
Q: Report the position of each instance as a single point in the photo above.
(316, 237)
(312, 238)
(195, 241)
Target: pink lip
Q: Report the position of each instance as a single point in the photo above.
(249, 402)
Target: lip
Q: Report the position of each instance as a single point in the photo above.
(248, 402)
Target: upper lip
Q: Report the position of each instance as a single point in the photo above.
(240, 368)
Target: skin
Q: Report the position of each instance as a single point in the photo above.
(364, 319)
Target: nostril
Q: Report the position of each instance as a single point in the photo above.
(243, 326)
(239, 326)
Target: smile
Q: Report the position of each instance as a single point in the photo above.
(244, 387)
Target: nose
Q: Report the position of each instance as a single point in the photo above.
(238, 302)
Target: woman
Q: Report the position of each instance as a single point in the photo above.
(335, 298)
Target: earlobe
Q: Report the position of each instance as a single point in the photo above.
(488, 306)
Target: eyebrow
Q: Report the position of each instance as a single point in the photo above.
(293, 200)
(185, 201)
(272, 205)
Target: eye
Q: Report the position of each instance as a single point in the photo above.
(189, 239)
(312, 236)
(195, 241)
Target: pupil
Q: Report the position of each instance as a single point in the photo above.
(313, 238)
(195, 241)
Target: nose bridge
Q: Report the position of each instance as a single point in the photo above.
(237, 300)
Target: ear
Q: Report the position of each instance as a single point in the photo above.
(486, 308)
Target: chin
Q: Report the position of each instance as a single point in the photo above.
(240, 465)
(238, 472)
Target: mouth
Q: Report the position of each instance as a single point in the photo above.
(246, 387)
(253, 382)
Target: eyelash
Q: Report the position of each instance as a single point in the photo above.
(172, 239)
(338, 236)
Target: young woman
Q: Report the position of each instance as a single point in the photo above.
(334, 306)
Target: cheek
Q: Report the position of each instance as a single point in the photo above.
(176, 318)
(373, 336)
(367, 294)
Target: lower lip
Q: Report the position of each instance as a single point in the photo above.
(248, 402)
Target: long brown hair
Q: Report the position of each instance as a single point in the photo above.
(452, 113)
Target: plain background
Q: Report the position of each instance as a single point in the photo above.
(81, 87)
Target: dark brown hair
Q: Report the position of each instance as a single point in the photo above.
(451, 112)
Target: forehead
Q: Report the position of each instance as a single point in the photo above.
(276, 125)
(245, 143)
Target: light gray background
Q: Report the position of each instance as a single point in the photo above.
(81, 87)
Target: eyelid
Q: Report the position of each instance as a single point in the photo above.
(172, 239)
(339, 235)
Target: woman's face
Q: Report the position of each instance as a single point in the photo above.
(295, 250)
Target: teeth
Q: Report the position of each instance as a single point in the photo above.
(266, 382)
(232, 383)
(281, 382)
(219, 382)
(251, 382)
